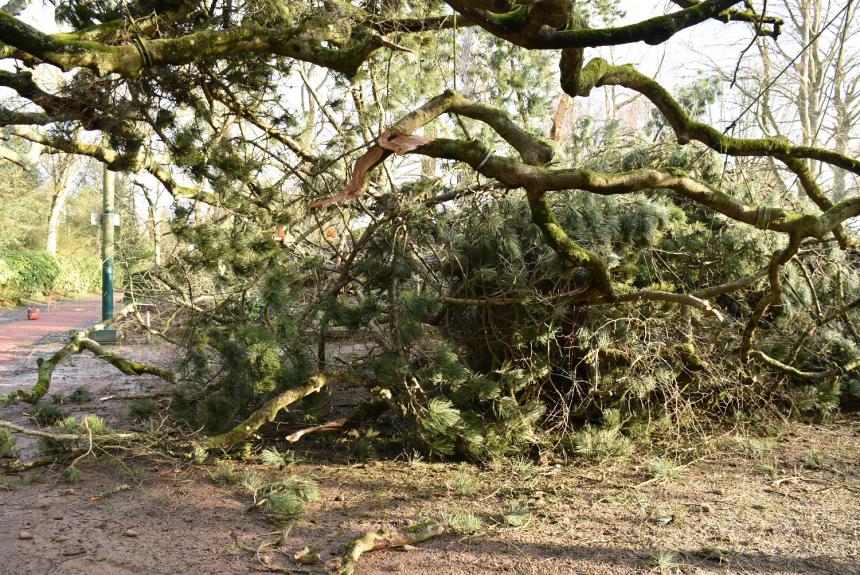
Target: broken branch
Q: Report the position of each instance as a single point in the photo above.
(387, 538)
(265, 414)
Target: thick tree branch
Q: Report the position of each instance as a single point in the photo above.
(155, 164)
(539, 179)
(308, 42)
(125, 365)
(571, 253)
(816, 194)
(265, 414)
(57, 108)
(534, 25)
(22, 160)
(12, 118)
(412, 25)
(733, 15)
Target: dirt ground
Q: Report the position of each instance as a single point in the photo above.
(789, 504)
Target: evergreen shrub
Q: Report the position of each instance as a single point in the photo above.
(78, 275)
(27, 273)
(32, 273)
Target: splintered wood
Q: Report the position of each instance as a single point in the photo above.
(388, 141)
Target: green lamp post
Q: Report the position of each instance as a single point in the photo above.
(109, 334)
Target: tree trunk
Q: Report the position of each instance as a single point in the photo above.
(153, 223)
(59, 197)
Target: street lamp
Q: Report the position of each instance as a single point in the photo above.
(108, 220)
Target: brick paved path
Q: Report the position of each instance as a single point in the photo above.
(19, 331)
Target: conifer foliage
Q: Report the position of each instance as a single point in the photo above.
(396, 195)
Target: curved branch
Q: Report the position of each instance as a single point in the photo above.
(835, 372)
(125, 365)
(571, 253)
(779, 258)
(414, 25)
(265, 414)
(599, 72)
(816, 194)
(538, 179)
(668, 297)
(532, 149)
(532, 27)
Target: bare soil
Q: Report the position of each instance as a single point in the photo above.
(789, 504)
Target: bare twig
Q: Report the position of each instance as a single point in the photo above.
(335, 425)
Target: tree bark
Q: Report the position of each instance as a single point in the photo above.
(59, 197)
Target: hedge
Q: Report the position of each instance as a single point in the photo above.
(78, 275)
(34, 273)
(30, 273)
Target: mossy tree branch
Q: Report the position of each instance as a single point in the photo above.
(388, 538)
(540, 25)
(153, 163)
(264, 414)
(598, 73)
(56, 108)
(125, 365)
(571, 253)
(308, 42)
(816, 194)
(539, 179)
(749, 16)
(667, 297)
(11, 118)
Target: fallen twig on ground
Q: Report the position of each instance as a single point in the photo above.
(67, 436)
(387, 538)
